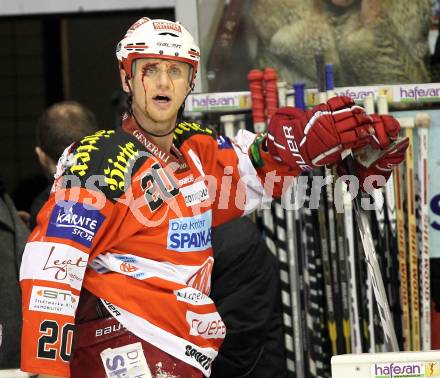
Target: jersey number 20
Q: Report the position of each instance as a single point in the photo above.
(51, 334)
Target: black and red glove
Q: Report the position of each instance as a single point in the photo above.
(306, 140)
(387, 150)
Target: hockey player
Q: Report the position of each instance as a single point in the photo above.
(128, 222)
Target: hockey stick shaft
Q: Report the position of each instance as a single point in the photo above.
(408, 124)
(422, 123)
(255, 79)
(337, 228)
(373, 268)
(326, 236)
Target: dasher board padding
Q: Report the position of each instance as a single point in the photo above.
(387, 365)
(13, 373)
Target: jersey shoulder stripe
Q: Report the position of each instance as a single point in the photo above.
(186, 130)
(111, 157)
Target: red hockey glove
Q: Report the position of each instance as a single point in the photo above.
(386, 130)
(382, 166)
(382, 162)
(318, 136)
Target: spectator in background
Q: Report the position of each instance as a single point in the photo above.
(13, 235)
(59, 126)
(246, 291)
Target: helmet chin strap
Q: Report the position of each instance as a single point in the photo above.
(179, 113)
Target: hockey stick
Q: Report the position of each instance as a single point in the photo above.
(340, 235)
(369, 250)
(390, 242)
(324, 232)
(401, 244)
(270, 81)
(422, 123)
(354, 313)
(408, 125)
(285, 231)
(309, 275)
(369, 109)
(373, 266)
(255, 78)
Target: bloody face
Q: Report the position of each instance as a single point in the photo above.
(159, 87)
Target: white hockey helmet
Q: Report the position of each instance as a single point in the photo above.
(158, 38)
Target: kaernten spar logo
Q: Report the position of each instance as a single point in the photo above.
(74, 222)
(189, 234)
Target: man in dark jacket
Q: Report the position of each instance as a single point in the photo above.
(13, 235)
(245, 289)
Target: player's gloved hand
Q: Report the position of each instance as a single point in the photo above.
(392, 152)
(386, 130)
(306, 140)
(382, 166)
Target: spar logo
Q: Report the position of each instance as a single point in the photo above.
(190, 234)
(74, 222)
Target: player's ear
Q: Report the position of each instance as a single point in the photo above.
(43, 158)
(125, 83)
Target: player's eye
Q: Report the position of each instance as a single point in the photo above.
(150, 70)
(175, 72)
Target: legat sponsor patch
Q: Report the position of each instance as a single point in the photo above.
(54, 262)
(209, 326)
(55, 301)
(127, 361)
(190, 234)
(195, 193)
(74, 222)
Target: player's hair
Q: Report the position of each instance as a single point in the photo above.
(62, 124)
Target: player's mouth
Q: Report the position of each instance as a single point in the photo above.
(162, 99)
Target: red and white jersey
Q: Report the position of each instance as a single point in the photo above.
(132, 224)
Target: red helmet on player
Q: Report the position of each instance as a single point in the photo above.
(157, 39)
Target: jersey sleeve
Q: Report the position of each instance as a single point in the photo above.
(246, 176)
(81, 218)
